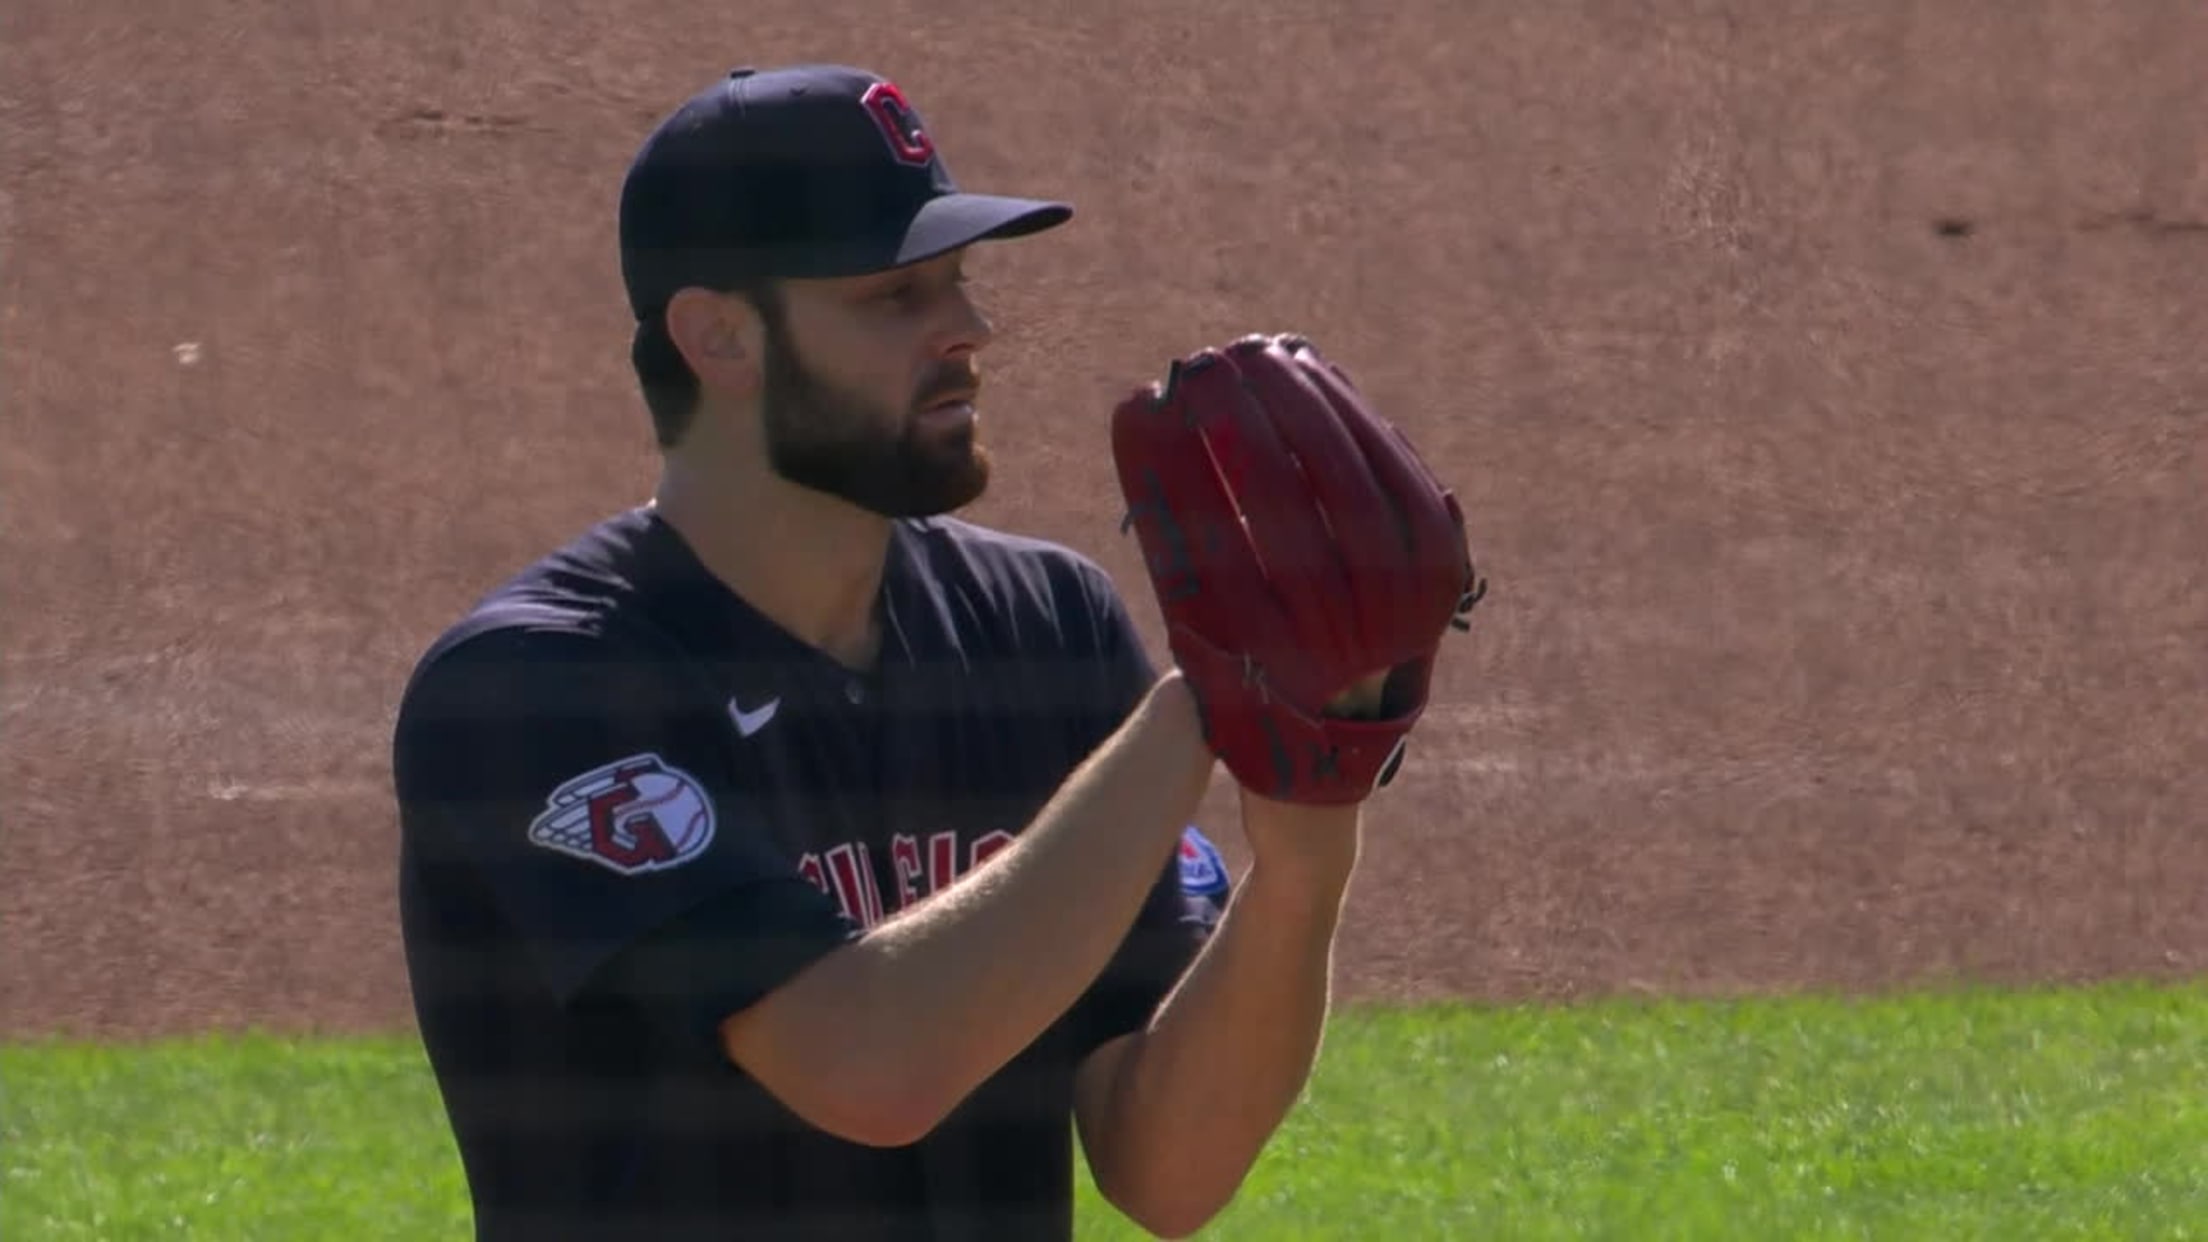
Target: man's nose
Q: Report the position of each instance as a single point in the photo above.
(969, 330)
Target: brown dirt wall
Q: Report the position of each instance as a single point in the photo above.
(1825, 384)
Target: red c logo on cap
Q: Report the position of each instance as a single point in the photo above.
(899, 123)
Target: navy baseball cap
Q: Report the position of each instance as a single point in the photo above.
(800, 171)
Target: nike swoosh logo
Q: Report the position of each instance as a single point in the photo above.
(748, 723)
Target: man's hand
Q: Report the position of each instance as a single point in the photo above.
(1309, 849)
(1366, 699)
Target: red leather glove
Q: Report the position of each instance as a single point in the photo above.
(1297, 544)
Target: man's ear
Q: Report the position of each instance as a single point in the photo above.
(711, 332)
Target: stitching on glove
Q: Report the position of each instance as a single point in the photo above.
(1475, 590)
(1326, 761)
(1179, 562)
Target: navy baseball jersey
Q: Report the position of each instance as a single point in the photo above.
(632, 805)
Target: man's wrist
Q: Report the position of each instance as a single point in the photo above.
(1303, 860)
(1298, 912)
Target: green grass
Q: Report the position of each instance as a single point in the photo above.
(2078, 1114)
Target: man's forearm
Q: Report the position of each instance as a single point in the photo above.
(881, 1037)
(1195, 1097)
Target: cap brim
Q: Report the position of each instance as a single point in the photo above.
(956, 220)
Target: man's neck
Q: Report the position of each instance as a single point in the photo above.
(809, 562)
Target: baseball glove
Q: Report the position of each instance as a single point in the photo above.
(1297, 545)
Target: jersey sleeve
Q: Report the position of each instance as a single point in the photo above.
(584, 793)
(1190, 894)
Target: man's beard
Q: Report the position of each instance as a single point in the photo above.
(831, 440)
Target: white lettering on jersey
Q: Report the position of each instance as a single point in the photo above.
(917, 871)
